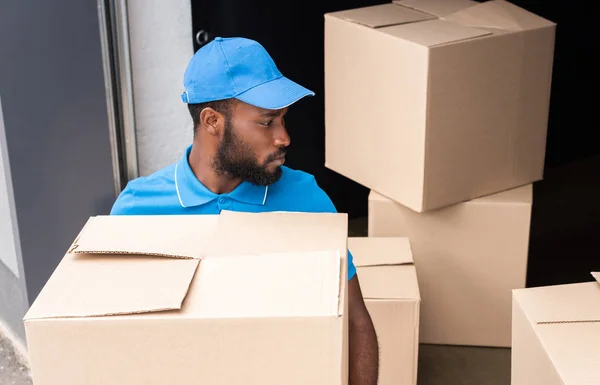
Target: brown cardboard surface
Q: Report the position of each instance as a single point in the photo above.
(185, 236)
(498, 14)
(350, 146)
(382, 15)
(391, 291)
(269, 285)
(459, 102)
(431, 33)
(380, 251)
(326, 232)
(131, 319)
(95, 286)
(562, 325)
(438, 8)
(522, 195)
(468, 258)
(555, 304)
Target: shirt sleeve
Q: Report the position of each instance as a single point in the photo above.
(321, 202)
(125, 203)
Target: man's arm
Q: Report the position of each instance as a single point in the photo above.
(364, 350)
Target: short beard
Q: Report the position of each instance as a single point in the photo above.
(236, 159)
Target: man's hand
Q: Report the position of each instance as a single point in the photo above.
(364, 350)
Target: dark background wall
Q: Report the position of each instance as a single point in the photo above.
(295, 41)
(566, 208)
(53, 98)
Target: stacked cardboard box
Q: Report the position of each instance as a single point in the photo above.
(172, 300)
(556, 334)
(435, 102)
(440, 107)
(390, 288)
(469, 257)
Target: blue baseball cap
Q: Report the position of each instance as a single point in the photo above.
(238, 68)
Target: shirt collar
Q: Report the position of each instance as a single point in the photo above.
(191, 192)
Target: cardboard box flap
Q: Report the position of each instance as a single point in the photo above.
(292, 232)
(385, 267)
(498, 14)
(570, 303)
(389, 282)
(185, 236)
(380, 251)
(377, 16)
(438, 8)
(302, 284)
(432, 33)
(85, 286)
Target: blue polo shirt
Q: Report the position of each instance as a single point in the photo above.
(175, 190)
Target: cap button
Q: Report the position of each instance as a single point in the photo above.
(218, 38)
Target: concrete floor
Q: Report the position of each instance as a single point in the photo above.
(13, 366)
(458, 365)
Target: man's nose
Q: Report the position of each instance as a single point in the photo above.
(282, 138)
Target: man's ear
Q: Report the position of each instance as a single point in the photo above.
(211, 121)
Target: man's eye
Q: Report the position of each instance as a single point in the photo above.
(266, 123)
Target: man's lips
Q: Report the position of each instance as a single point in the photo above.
(280, 158)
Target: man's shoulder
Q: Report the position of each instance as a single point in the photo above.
(158, 179)
(296, 178)
(141, 193)
(299, 188)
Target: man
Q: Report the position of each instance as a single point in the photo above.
(238, 100)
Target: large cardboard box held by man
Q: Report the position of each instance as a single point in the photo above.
(391, 291)
(469, 257)
(435, 102)
(229, 299)
(556, 335)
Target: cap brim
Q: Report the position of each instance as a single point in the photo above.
(274, 95)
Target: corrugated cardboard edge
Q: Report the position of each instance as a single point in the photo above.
(110, 314)
(74, 248)
(596, 276)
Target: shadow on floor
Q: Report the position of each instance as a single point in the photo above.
(461, 365)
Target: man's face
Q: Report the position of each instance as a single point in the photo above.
(253, 144)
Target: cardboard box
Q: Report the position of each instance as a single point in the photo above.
(196, 299)
(435, 102)
(556, 335)
(391, 291)
(469, 257)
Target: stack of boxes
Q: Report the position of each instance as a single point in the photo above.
(440, 107)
